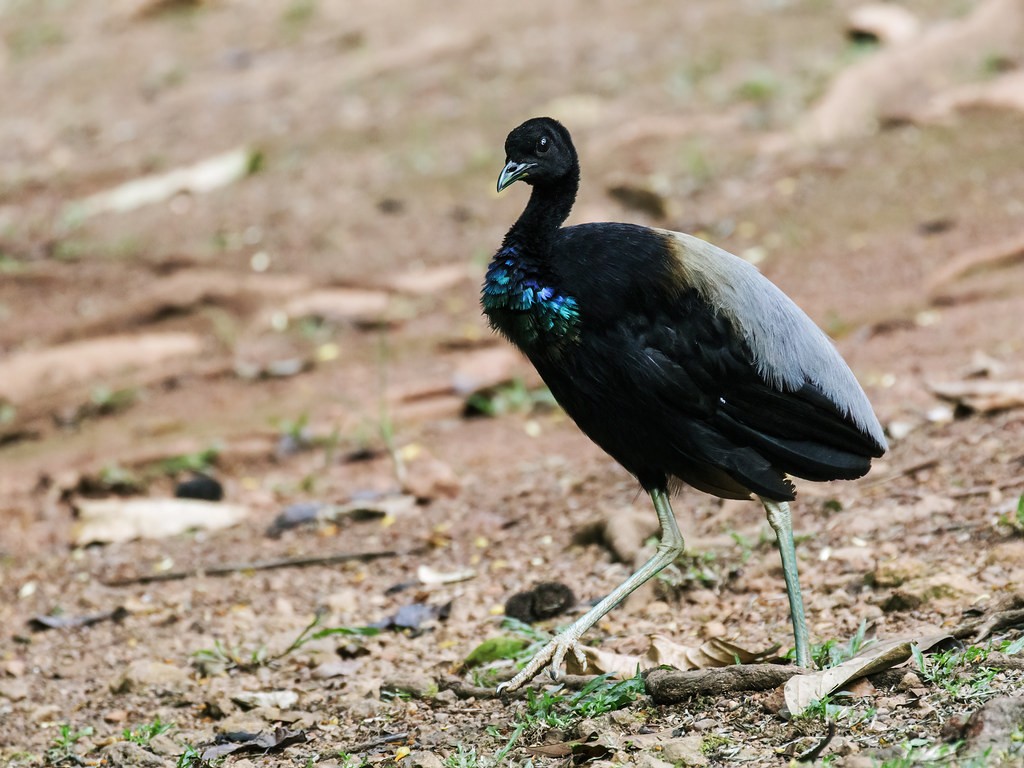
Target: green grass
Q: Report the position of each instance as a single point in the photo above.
(199, 461)
(63, 750)
(247, 659)
(514, 397)
(959, 673)
(832, 654)
(144, 734)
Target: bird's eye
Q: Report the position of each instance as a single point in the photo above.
(542, 145)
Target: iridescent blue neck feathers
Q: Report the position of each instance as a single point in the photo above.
(520, 303)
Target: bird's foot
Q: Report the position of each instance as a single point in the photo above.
(554, 652)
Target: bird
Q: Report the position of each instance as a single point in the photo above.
(679, 359)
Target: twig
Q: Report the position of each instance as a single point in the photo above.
(260, 565)
(669, 686)
(913, 469)
(984, 490)
(390, 738)
(814, 752)
(464, 690)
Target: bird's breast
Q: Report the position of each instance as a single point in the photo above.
(526, 308)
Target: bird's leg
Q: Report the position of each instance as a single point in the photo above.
(669, 548)
(781, 520)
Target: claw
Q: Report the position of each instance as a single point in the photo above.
(554, 652)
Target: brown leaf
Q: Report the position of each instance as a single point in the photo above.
(802, 691)
(982, 396)
(35, 372)
(661, 651)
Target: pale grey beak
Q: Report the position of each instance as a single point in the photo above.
(513, 171)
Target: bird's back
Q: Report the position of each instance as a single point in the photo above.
(688, 363)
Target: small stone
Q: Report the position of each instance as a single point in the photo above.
(423, 759)
(706, 724)
(447, 696)
(991, 728)
(152, 674)
(15, 690)
(648, 760)
(909, 682)
(418, 686)
(242, 723)
(44, 712)
(116, 716)
(164, 745)
(127, 754)
(428, 478)
(339, 668)
(277, 699)
(685, 751)
(894, 573)
(14, 667)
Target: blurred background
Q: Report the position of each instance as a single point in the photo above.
(244, 238)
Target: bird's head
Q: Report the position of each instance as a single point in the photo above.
(539, 152)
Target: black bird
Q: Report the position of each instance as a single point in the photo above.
(679, 359)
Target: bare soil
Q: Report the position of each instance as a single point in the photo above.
(379, 134)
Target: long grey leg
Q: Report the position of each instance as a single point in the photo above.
(781, 520)
(669, 548)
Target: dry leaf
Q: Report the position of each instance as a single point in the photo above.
(112, 520)
(429, 576)
(982, 396)
(204, 176)
(801, 691)
(716, 652)
(30, 374)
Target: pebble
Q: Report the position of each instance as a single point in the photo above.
(15, 690)
(423, 759)
(152, 674)
(420, 686)
(127, 754)
(648, 760)
(685, 751)
(276, 699)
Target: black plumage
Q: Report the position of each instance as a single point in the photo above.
(677, 358)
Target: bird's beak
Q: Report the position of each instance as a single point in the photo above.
(513, 171)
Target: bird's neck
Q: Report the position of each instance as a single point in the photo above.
(548, 208)
(521, 295)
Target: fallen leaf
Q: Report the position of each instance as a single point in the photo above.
(253, 742)
(40, 623)
(306, 512)
(429, 576)
(801, 691)
(716, 652)
(278, 699)
(663, 652)
(982, 396)
(414, 616)
(204, 176)
(113, 520)
(31, 373)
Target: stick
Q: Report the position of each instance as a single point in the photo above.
(260, 565)
(390, 738)
(669, 686)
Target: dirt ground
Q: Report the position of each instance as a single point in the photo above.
(307, 330)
